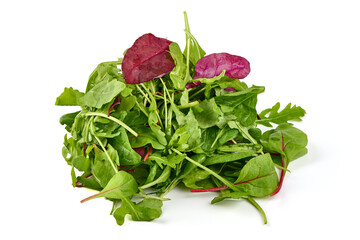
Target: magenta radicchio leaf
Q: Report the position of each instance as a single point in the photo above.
(148, 58)
(212, 65)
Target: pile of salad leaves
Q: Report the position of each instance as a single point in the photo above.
(160, 117)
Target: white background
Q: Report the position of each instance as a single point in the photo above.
(303, 52)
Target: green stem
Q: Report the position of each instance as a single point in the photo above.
(217, 138)
(188, 45)
(170, 186)
(257, 206)
(142, 92)
(153, 99)
(226, 182)
(106, 153)
(246, 133)
(165, 105)
(113, 119)
(188, 105)
(198, 92)
(153, 197)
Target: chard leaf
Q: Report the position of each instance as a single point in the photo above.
(146, 59)
(286, 140)
(102, 93)
(272, 115)
(147, 210)
(214, 64)
(70, 97)
(258, 177)
(120, 186)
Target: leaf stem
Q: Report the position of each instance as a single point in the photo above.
(226, 182)
(257, 206)
(106, 154)
(113, 119)
(188, 105)
(165, 175)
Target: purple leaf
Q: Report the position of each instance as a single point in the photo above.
(148, 58)
(212, 65)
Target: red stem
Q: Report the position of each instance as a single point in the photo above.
(282, 174)
(116, 102)
(148, 153)
(224, 187)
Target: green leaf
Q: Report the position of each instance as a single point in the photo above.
(102, 169)
(188, 136)
(258, 177)
(241, 147)
(177, 75)
(230, 157)
(192, 47)
(196, 175)
(147, 210)
(146, 136)
(68, 120)
(120, 186)
(207, 113)
(105, 71)
(292, 139)
(103, 93)
(70, 97)
(272, 115)
(236, 98)
(126, 153)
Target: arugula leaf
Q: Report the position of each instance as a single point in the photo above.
(177, 75)
(147, 210)
(102, 93)
(105, 71)
(272, 115)
(70, 97)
